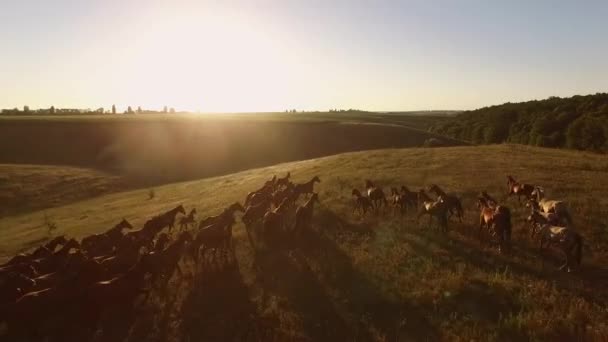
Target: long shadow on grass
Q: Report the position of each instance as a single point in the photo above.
(219, 308)
(335, 300)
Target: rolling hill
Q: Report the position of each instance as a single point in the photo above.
(156, 149)
(379, 278)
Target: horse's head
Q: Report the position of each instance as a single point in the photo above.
(61, 240)
(180, 209)
(404, 189)
(236, 206)
(124, 224)
(368, 184)
(433, 188)
(356, 192)
(316, 179)
(72, 243)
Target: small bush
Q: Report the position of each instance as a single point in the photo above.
(151, 194)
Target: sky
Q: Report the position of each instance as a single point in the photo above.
(235, 56)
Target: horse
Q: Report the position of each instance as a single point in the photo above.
(568, 241)
(41, 252)
(437, 209)
(217, 236)
(161, 242)
(154, 225)
(490, 201)
(101, 244)
(165, 262)
(452, 202)
(516, 188)
(550, 206)
(274, 220)
(308, 187)
(14, 286)
(400, 201)
(538, 218)
(283, 181)
(185, 221)
(376, 195)
(266, 190)
(233, 208)
(280, 195)
(362, 203)
(57, 259)
(254, 213)
(496, 219)
(410, 197)
(304, 214)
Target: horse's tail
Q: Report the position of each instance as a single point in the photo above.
(578, 245)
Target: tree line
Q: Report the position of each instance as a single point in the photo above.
(62, 111)
(578, 122)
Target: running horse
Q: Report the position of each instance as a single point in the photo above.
(519, 189)
(497, 220)
(376, 195)
(437, 209)
(154, 225)
(186, 221)
(452, 202)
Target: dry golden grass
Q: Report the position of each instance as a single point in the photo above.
(377, 278)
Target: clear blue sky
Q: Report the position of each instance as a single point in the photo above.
(273, 55)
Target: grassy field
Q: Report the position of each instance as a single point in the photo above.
(156, 149)
(377, 278)
(25, 188)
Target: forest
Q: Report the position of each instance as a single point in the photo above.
(578, 122)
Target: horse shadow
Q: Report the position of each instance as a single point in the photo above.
(219, 308)
(334, 300)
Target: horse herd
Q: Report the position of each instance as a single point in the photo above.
(107, 270)
(66, 281)
(549, 221)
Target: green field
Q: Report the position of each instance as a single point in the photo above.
(156, 149)
(378, 278)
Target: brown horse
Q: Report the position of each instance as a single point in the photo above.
(14, 286)
(103, 244)
(497, 220)
(452, 202)
(304, 214)
(217, 236)
(362, 203)
(308, 187)
(162, 264)
(280, 195)
(537, 219)
(490, 201)
(410, 197)
(161, 242)
(233, 208)
(401, 201)
(437, 209)
(283, 181)
(167, 220)
(186, 221)
(43, 251)
(263, 192)
(519, 189)
(376, 195)
(58, 259)
(255, 213)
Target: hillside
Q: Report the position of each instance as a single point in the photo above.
(24, 188)
(377, 278)
(578, 122)
(160, 149)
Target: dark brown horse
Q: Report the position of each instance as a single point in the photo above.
(255, 213)
(43, 251)
(14, 286)
(58, 259)
(362, 203)
(186, 221)
(283, 181)
(376, 195)
(452, 202)
(217, 236)
(566, 239)
(103, 244)
(308, 187)
(519, 189)
(167, 220)
(230, 211)
(411, 197)
(162, 264)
